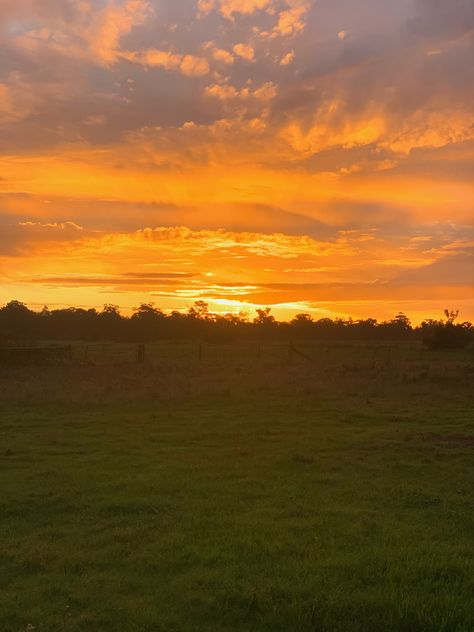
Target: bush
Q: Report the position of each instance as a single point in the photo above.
(449, 336)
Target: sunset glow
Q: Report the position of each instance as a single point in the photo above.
(311, 156)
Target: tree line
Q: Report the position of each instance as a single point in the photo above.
(20, 325)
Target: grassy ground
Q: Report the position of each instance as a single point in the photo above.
(236, 495)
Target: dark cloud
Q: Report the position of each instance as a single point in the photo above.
(453, 270)
(133, 279)
(115, 216)
(441, 21)
(385, 61)
(19, 237)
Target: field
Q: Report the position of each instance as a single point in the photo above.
(249, 490)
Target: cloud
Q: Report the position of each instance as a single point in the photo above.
(331, 127)
(227, 92)
(292, 20)
(129, 279)
(22, 237)
(96, 36)
(92, 34)
(431, 130)
(205, 6)
(287, 59)
(249, 268)
(189, 65)
(61, 226)
(450, 270)
(10, 109)
(435, 282)
(95, 119)
(112, 23)
(289, 19)
(229, 8)
(219, 54)
(437, 20)
(245, 51)
(19, 97)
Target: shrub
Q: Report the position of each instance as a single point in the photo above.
(449, 336)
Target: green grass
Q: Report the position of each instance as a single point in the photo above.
(236, 496)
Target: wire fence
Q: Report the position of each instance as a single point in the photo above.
(290, 353)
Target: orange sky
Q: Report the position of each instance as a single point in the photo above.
(312, 156)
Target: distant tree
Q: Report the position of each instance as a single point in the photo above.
(147, 312)
(111, 322)
(110, 310)
(264, 324)
(302, 319)
(199, 310)
(451, 316)
(398, 328)
(264, 317)
(327, 329)
(147, 322)
(20, 324)
(430, 322)
(302, 325)
(235, 319)
(402, 321)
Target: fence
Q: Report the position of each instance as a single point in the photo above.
(35, 355)
(254, 352)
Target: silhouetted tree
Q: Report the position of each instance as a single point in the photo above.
(19, 324)
(200, 310)
(110, 323)
(302, 326)
(451, 316)
(264, 317)
(147, 323)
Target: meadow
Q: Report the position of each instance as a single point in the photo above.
(239, 488)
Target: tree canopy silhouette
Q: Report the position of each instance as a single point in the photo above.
(19, 324)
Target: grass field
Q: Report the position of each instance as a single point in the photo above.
(244, 492)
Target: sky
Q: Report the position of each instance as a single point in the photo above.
(307, 155)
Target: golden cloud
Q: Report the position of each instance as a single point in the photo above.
(189, 65)
(94, 35)
(245, 51)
